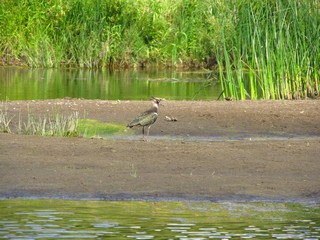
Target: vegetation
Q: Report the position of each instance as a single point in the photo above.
(43, 125)
(275, 44)
(56, 124)
(4, 122)
(98, 33)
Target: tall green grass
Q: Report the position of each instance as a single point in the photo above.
(274, 44)
(99, 33)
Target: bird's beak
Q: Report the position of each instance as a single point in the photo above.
(158, 99)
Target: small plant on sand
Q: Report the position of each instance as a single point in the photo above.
(5, 121)
(57, 125)
(133, 172)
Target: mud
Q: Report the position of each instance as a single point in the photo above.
(198, 157)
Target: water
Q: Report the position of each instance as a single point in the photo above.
(31, 84)
(55, 219)
(216, 138)
(88, 219)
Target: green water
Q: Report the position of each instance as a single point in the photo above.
(30, 84)
(86, 219)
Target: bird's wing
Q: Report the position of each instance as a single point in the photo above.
(148, 119)
(145, 118)
(138, 119)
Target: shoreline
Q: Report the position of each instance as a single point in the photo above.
(188, 199)
(285, 170)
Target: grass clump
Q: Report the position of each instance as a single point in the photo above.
(5, 121)
(57, 125)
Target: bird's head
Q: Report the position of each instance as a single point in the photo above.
(156, 101)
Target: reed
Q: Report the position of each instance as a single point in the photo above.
(276, 45)
(273, 44)
(115, 33)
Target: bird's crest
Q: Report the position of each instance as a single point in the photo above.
(156, 100)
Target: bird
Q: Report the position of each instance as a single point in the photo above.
(147, 118)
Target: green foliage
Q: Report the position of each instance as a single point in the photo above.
(116, 33)
(275, 43)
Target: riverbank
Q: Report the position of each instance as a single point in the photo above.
(283, 167)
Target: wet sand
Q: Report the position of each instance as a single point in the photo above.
(253, 150)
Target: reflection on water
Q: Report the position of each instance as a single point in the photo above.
(28, 84)
(53, 219)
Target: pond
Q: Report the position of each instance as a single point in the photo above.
(31, 84)
(79, 219)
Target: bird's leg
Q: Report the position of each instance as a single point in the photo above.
(143, 133)
(148, 133)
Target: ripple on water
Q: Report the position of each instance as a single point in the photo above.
(27, 219)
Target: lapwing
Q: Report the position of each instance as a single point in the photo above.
(147, 118)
